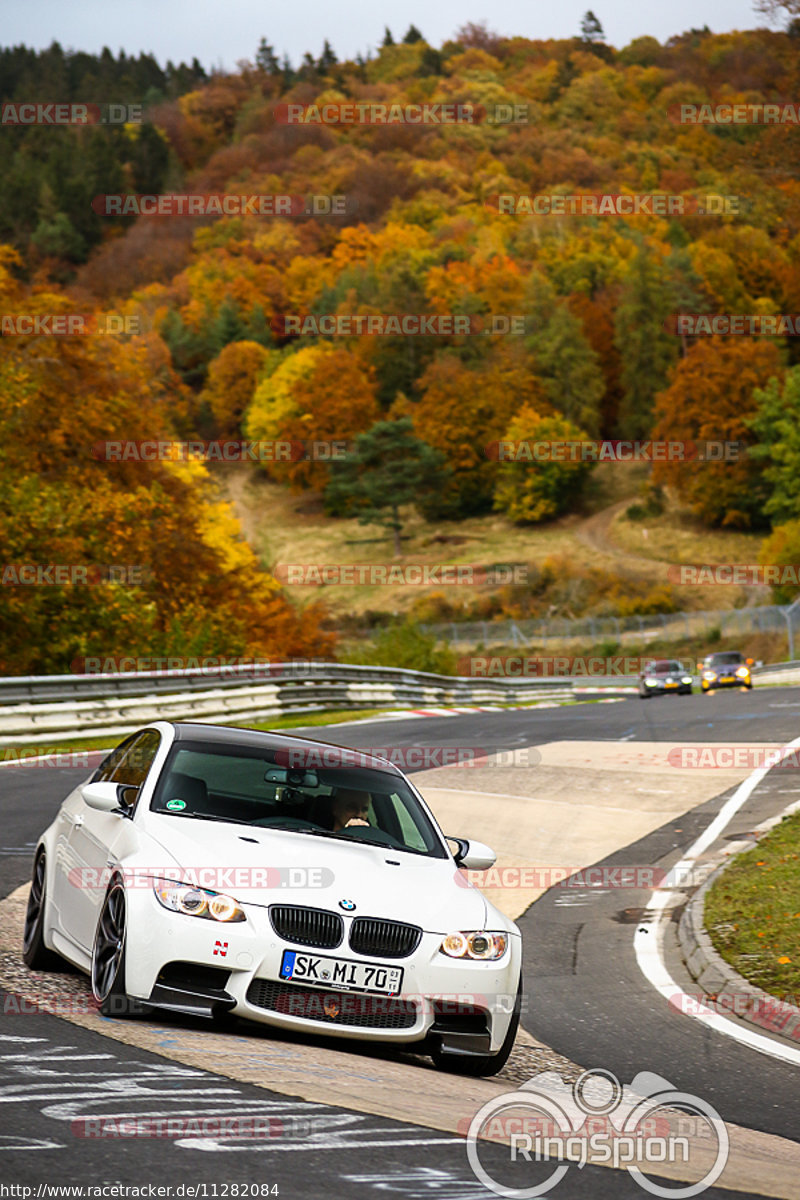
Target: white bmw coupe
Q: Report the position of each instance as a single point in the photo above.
(212, 870)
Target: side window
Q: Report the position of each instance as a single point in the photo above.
(132, 769)
(110, 763)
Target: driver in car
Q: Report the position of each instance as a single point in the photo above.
(350, 808)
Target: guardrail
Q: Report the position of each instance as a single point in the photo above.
(55, 708)
(788, 672)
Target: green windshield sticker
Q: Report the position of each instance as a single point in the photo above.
(176, 805)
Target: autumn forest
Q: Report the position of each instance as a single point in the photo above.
(571, 331)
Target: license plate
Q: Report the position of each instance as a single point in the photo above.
(727, 679)
(340, 973)
(672, 685)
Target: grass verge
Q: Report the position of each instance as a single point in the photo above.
(107, 743)
(752, 912)
(299, 721)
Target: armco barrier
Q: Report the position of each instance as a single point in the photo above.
(52, 708)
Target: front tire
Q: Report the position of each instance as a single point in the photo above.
(35, 953)
(108, 958)
(482, 1064)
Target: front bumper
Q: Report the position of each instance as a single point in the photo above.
(206, 968)
(726, 681)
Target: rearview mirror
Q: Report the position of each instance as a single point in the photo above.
(473, 856)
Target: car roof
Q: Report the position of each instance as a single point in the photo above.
(260, 739)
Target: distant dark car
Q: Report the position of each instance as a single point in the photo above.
(727, 668)
(665, 675)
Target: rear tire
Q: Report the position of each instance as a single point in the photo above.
(482, 1064)
(35, 954)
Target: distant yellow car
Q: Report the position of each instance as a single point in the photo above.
(727, 668)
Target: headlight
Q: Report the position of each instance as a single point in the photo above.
(686, 679)
(197, 902)
(651, 681)
(742, 672)
(709, 675)
(479, 944)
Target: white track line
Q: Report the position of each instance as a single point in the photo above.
(647, 942)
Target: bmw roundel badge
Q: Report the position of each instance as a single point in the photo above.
(347, 905)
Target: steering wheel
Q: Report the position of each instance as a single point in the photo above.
(287, 822)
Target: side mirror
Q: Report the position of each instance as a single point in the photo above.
(474, 856)
(749, 662)
(106, 796)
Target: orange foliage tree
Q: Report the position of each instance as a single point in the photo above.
(709, 400)
(463, 411)
(190, 584)
(319, 394)
(232, 379)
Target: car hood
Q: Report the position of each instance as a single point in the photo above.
(262, 867)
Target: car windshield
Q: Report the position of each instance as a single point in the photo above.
(250, 786)
(666, 665)
(728, 658)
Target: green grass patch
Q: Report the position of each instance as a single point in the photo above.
(100, 742)
(752, 911)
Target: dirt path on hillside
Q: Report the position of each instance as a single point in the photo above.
(594, 532)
